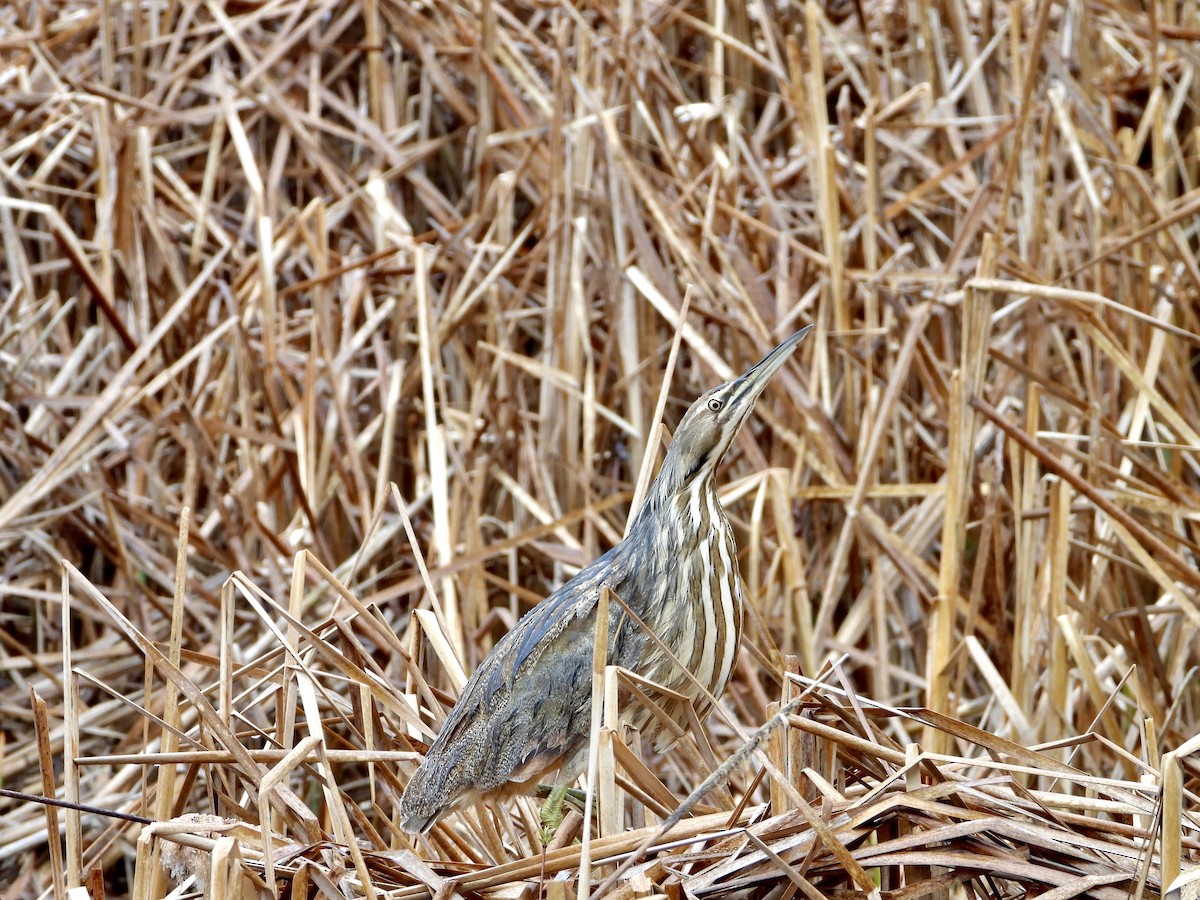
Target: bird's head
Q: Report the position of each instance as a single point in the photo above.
(712, 422)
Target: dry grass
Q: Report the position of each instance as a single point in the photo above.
(331, 337)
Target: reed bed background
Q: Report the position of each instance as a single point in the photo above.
(332, 337)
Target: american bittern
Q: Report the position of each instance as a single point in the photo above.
(524, 717)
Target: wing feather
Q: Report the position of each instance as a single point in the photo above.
(522, 701)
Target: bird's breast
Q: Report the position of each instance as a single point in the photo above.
(690, 597)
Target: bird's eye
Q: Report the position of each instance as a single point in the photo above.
(714, 404)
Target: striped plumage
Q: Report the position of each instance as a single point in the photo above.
(682, 549)
(523, 718)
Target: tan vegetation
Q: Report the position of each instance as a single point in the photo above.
(333, 336)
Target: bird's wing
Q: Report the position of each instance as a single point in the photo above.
(531, 666)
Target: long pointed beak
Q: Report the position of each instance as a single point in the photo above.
(757, 376)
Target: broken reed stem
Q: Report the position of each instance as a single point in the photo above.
(599, 664)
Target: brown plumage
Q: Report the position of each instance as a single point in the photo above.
(524, 717)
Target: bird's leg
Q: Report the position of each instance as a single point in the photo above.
(554, 808)
(576, 798)
(551, 812)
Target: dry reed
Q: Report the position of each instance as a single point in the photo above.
(330, 340)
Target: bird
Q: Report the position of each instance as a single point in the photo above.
(523, 719)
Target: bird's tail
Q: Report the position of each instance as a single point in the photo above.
(423, 801)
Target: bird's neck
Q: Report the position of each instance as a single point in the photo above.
(680, 506)
(700, 506)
